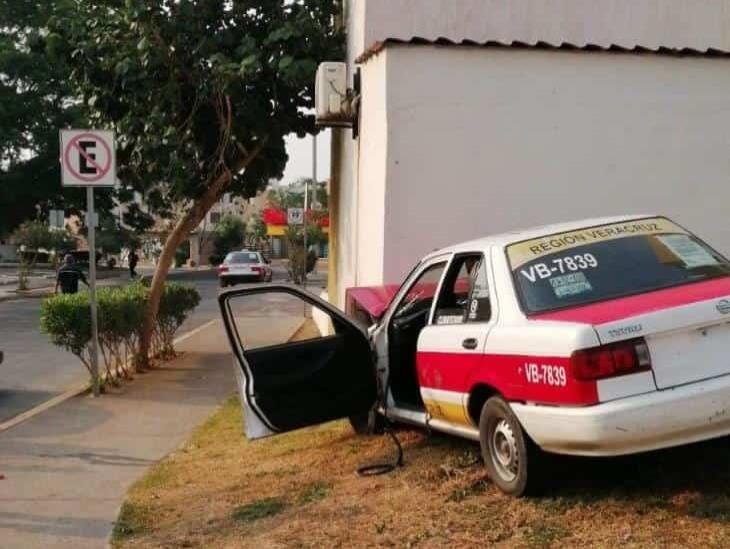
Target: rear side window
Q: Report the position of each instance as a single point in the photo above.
(609, 261)
(243, 257)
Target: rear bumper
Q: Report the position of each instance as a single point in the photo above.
(660, 419)
(243, 277)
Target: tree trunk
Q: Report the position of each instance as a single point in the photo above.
(182, 230)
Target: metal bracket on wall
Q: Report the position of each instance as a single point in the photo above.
(355, 102)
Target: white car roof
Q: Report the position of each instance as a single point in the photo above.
(505, 239)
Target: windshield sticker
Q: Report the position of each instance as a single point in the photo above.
(524, 252)
(570, 285)
(690, 252)
(447, 320)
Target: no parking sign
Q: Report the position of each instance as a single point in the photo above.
(88, 158)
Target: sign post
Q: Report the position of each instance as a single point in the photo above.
(88, 160)
(91, 225)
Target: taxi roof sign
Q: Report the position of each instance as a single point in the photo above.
(88, 158)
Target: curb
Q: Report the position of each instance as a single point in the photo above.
(81, 388)
(19, 297)
(40, 293)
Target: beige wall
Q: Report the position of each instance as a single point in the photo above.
(482, 140)
(457, 142)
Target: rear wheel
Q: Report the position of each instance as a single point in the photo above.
(511, 458)
(223, 283)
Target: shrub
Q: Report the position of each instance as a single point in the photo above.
(177, 301)
(67, 321)
(229, 234)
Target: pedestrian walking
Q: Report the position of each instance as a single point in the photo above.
(132, 259)
(68, 276)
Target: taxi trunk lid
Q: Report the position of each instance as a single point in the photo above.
(686, 343)
(687, 328)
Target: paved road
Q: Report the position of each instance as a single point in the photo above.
(35, 371)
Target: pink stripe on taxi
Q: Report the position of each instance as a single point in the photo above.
(461, 372)
(618, 309)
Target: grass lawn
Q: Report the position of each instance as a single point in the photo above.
(301, 490)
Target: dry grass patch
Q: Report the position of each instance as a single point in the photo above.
(301, 490)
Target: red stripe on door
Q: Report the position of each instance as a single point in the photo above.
(618, 309)
(542, 379)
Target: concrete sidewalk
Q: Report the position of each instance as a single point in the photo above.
(67, 470)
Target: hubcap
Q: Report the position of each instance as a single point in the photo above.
(505, 455)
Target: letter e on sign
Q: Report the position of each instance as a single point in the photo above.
(88, 158)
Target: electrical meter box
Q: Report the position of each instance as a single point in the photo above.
(331, 103)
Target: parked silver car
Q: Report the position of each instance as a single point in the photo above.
(244, 266)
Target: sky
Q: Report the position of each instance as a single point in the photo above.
(300, 157)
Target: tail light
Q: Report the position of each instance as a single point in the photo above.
(222, 269)
(257, 269)
(615, 359)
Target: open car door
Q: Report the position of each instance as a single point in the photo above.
(299, 361)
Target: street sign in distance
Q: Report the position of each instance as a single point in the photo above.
(295, 216)
(94, 218)
(56, 219)
(88, 158)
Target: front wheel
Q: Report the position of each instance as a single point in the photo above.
(511, 458)
(367, 423)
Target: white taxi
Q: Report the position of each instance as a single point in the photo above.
(596, 338)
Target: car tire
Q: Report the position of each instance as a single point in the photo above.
(512, 459)
(223, 283)
(367, 423)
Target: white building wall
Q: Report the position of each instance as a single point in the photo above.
(347, 169)
(373, 152)
(483, 140)
(362, 199)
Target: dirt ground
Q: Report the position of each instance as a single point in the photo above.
(301, 490)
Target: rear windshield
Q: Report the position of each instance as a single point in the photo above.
(242, 257)
(609, 261)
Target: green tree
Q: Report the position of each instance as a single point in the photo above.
(288, 197)
(34, 104)
(34, 237)
(201, 94)
(228, 235)
(112, 237)
(256, 230)
(285, 198)
(36, 100)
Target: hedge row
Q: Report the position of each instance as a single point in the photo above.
(67, 320)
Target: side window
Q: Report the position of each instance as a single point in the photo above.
(420, 295)
(465, 293)
(480, 307)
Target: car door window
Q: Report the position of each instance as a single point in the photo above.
(300, 361)
(464, 295)
(421, 293)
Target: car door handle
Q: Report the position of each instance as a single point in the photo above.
(470, 343)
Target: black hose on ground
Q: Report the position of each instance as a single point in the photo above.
(383, 468)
